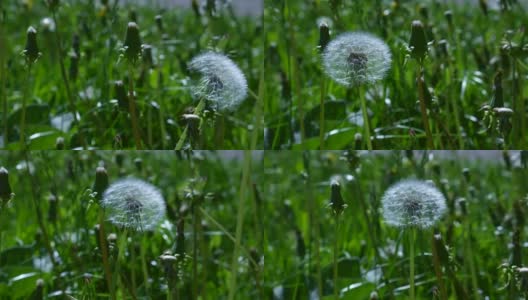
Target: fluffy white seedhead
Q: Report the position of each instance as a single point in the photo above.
(356, 58)
(413, 203)
(222, 83)
(134, 204)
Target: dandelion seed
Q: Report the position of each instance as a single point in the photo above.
(134, 204)
(222, 82)
(410, 203)
(356, 58)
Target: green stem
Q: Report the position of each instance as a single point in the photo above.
(259, 106)
(197, 111)
(24, 107)
(132, 107)
(336, 250)
(412, 240)
(104, 254)
(322, 116)
(196, 230)
(240, 222)
(144, 266)
(121, 251)
(365, 118)
(423, 108)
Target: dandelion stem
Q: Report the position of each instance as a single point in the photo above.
(258, 110)
(24, 107)
(104, 254)
(244, 186)
(73, 109)
(132, 107)
(121, 251)
(144, 265)
(336, 250)
(423, 108)
(365, 118)
(197, 111)
(412, 241)
(322, 115)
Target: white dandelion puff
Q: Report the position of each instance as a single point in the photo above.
(134, 204)
(222, 82)
(413, 203)
(356, 58)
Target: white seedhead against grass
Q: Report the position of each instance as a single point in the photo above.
(222, 82)
(413, 203)
(134, 204)
(355, 58)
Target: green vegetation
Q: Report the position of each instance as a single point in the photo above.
(474, 250)
(85, 82)
(57, 240)
(457, 79)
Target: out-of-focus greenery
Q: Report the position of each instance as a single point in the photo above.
(162, 89)
(202, 191)
(480, 240)
(469, 44)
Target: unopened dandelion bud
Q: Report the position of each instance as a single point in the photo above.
(324, 36)
(76, 44)
(301, 247)
(413, 203)
(121, 95)
(101, 182)
(336, 199)
(74, 66)
(222, 82)
(497, 100)
(39, 290)
(374, 295)
(159, 22)
(53, 4)
(5, 187)
(484, 6)
(31, 51)
(449, 17)
(59, 143)
(466, 174)
(134, 204)
(356, 58)
(148, 61)
(196, 8)
(132, 45)
(52, 209)
(418, 41)
(524, 158)
(358, 141)
(138, 162)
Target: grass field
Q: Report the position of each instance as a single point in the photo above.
(474, 61)
(57, 240)
(475, 251)
(79, 56)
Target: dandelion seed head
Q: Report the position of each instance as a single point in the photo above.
(413, 203)
(134, 204)
(222, 82)
(356, 58)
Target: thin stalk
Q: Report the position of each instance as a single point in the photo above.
(240, 222)
(195, 250)
(412, 240)
(24, 107)
(144, 266)
(259, 106)
(322, 115)
(3, 77)
(197, 111)
(63, 73)
(133, 268)
(472, 268)
(104, 254)
(132, 107)
(122, 244)
(162, 103)
(522, 108)
(219, 131)
(423, 108)
(336, 250)
(365, 118)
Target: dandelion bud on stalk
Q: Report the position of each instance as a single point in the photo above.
(159, 22)
(336, 200)
(5, 187)
(356, 58)
(138, 162)
(413, 203)
(31, 51)
(59, 143)
(222, 82)
(120, 94)
(418, 41)
(74, 66)
(101, 182)
(132, 45)
(497, 100)
(324, 36)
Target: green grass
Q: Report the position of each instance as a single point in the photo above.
(162, 91)
(204, 192)
(458, 83)
(481, 241)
